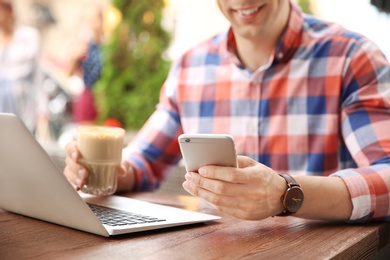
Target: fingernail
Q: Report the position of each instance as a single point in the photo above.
(202, 171)
(81, 173)
(78, 183)
(188, 177)
(186, 186)
(74, 155)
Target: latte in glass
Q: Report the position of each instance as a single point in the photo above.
(101, 153)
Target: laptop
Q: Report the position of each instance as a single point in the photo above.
(32, 185)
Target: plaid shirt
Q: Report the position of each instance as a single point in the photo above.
(321, 106)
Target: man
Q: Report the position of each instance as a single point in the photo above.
(299, 96)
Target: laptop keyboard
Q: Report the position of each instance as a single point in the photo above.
(114, 217)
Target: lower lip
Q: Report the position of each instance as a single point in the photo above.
(248, 18)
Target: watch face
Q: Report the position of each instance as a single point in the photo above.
(294, 199)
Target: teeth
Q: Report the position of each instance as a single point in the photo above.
(248, 11)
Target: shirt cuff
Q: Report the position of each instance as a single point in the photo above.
(359, 188)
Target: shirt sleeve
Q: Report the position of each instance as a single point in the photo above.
(154, 152)
(365, 127)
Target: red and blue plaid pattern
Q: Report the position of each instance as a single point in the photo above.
(320, 107)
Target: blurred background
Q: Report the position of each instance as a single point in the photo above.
(138, 41)
(191, 21)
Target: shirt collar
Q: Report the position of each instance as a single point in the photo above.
(291, 37)
(230, 48)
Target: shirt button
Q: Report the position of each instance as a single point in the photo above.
(280, 55)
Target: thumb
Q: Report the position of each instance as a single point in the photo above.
(244, 161)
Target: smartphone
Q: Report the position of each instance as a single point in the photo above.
(207, 149)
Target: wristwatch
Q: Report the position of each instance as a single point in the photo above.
(293, 197)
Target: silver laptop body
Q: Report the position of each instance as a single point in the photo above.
(33, 186)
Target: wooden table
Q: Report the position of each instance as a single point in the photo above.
(228, 238)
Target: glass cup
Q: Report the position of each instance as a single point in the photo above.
(101, 153)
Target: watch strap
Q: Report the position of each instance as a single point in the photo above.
(289, 179)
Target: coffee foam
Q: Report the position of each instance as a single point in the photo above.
(100, 144)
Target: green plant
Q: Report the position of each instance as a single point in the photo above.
(134, 68)
(305, 5)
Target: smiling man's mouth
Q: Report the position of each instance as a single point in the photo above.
(246, 12)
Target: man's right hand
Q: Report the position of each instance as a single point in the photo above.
(77, 174)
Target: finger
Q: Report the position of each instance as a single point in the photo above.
(241, 213)
(244, 161)
(75, 172)
(198, 191)
(253, 173)
(231, 205)
(72, 178)
(243, 207)
(228, 174)
(77, 176)
(251, 184)
(213, 185)
(71, 148)
(72, 161)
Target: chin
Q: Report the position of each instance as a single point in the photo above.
(248, 33)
